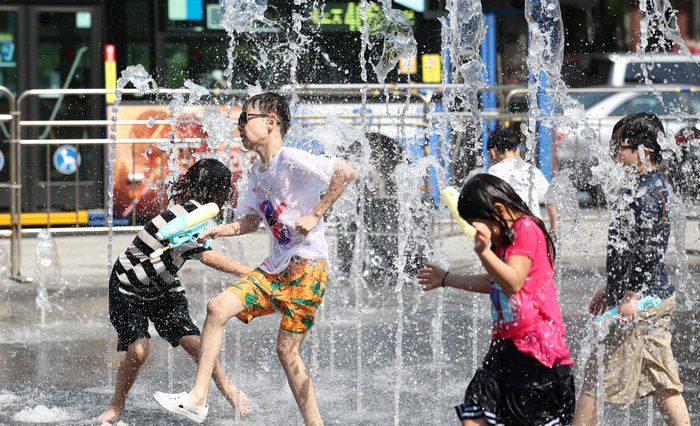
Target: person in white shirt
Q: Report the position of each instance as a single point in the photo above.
(284, 189)
(527, 181)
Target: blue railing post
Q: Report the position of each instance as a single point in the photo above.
(545, 103)
(488, 56)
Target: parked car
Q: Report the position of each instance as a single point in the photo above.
(684, 172)
(603, 109)
(619, 70)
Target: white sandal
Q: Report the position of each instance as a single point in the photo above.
(179, 403)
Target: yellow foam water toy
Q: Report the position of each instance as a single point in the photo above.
(451, 195)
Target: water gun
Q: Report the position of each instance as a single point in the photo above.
(451, 195)
(186, 228)
(642, 304)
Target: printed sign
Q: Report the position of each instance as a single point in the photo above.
(66, 159)
(141, 169)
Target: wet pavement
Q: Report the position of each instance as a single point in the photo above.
(62, 372)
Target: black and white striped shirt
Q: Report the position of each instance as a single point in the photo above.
(147, 278)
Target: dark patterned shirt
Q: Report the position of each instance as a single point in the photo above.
(638, 239)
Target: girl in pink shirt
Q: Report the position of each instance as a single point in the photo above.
(526, 375)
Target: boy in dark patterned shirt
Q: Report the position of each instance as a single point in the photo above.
(637, 358)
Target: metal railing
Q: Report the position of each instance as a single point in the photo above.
(422, 93)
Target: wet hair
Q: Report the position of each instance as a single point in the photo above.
(642, 128)
(272, 103)
(207, 181)
(477, 199)
(503, 140)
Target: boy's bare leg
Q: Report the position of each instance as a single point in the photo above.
(672, 407)
(191, 345)
(219, 310)
(126, 376)
(586, 411)
(288, 345)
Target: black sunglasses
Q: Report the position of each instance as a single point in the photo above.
(243, 118)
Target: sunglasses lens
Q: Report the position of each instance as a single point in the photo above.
(243, 119)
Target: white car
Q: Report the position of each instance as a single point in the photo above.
(624, 69)
(578, 149)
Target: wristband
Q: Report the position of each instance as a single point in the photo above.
(443, 278)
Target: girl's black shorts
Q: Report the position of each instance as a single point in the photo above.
(513, 388)
(129, 315)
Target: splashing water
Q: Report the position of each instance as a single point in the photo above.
(48, 271)
(544, 59)
(139, 77)
(659, 17)
(390, 29)
(5, 269)
(464, 33)
(43, 414)
(467, 33)
(236, 16)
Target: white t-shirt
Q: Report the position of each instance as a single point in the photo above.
(289, 190)
(522, 177)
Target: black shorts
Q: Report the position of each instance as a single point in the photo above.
(515, 389)
(129, 315)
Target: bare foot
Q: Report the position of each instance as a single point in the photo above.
(111, 414)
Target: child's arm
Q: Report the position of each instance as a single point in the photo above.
(246, 225)
(434, 276)
(222, 263)
(599, 303)
(510, 276)
(342, 176)
(553, 227)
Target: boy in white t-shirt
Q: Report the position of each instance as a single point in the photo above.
(284, 189)
(527, 181)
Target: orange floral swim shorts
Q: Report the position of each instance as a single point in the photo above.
(297, 292)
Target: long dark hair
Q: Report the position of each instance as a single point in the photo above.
(207, 181)
(479, 195)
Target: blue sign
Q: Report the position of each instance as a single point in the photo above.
(2, 160)
(185, 10)
(66, 159)
(7, 52)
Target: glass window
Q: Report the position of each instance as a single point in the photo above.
(588, 99)
(648, 103)
(138, 33)
(620, 111)
(8, 78)
(8, 54)
(63, 61)
(664, 72)
(205, 15)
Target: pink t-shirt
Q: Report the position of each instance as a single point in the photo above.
(531, 318)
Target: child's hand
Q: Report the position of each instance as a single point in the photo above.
(305, 224)
(599, 303)
(431, 276)
(209, 231)
(628, 307)
(482, 238)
